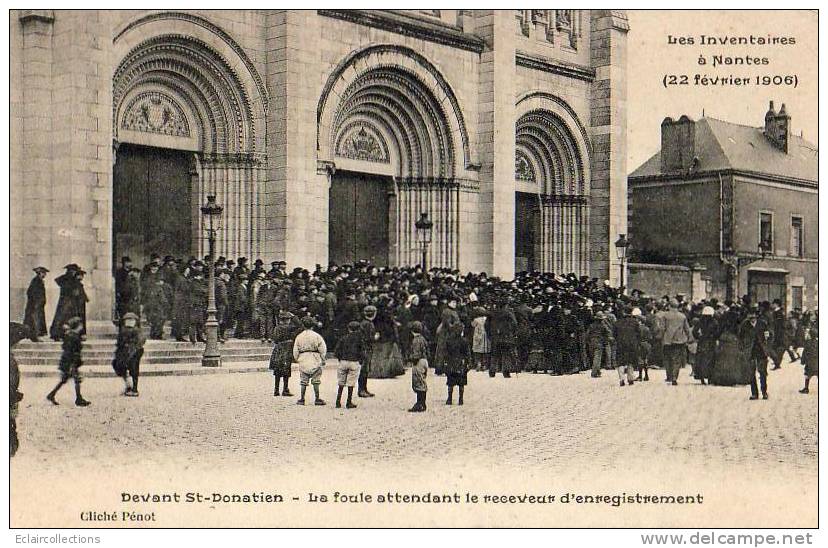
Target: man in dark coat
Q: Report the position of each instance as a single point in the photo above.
(503, 332)
(569, 336)
(779, 329)
(369, 335)
(121, 279)
(129, 348)
(756, 337)
(71, 303)
(222, 302)
(198, 303)
(35, 316)
(17, 332)
(156, 305)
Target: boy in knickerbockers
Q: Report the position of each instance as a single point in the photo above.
(128, 352)
(70, 360)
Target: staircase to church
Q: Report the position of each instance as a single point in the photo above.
(160, 356)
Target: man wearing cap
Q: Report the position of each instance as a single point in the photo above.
(676, 337)
(350, 353)
(70, 360)
(309, 351)
(128, 351)
(34, 317)
(369, 335)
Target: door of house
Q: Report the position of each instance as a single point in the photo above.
(767, 286)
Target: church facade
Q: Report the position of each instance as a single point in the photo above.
(324, 134)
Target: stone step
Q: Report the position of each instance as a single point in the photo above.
(153, 370)
(150, 346)
(195, 359)
(100, 351)
(164, 369)
(110, 343)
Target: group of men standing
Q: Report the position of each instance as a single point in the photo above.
(176, 291)
(537, 321)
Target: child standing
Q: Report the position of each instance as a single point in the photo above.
(350, 353)
(70, 361)
(457, 358)
(418, 356)
(128, 352)
(810, 355)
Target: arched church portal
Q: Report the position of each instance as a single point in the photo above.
(183, 127)
(392, 136)
(551, 202)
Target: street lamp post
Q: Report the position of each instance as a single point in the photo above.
(424, 226)
(211, 213)
(621, 246)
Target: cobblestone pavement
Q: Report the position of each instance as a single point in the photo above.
(553, 427)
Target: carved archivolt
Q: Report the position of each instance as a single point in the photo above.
(547, 147)
(189, 72)
(403, 104)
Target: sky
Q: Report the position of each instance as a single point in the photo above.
(650, 57)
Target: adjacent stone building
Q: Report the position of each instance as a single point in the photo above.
(740, 201)
(323, 133)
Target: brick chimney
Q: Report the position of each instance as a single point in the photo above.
(678, 144)
(778, 127)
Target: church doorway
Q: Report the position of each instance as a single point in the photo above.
(358, 221)
(151, 203)
(527, 232)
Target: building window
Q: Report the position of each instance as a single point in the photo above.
(797, 247)
(766, 231)
(796, 297)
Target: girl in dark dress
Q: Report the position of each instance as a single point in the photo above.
(281, 359)
(456, 363)
(810, 355)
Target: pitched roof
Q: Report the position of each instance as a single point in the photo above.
(724, 145)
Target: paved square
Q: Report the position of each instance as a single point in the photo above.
(532, 428)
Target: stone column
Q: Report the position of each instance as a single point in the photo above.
(608, 123)
(31, 197)
(496, 138)
(273, 193)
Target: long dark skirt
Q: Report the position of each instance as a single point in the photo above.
(386, 361)
(730, 366)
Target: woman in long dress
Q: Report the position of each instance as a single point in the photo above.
(386, 360)
(730, 366)
(458, 358)
(706, 333)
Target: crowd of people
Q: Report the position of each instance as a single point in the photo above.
(377, 320)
